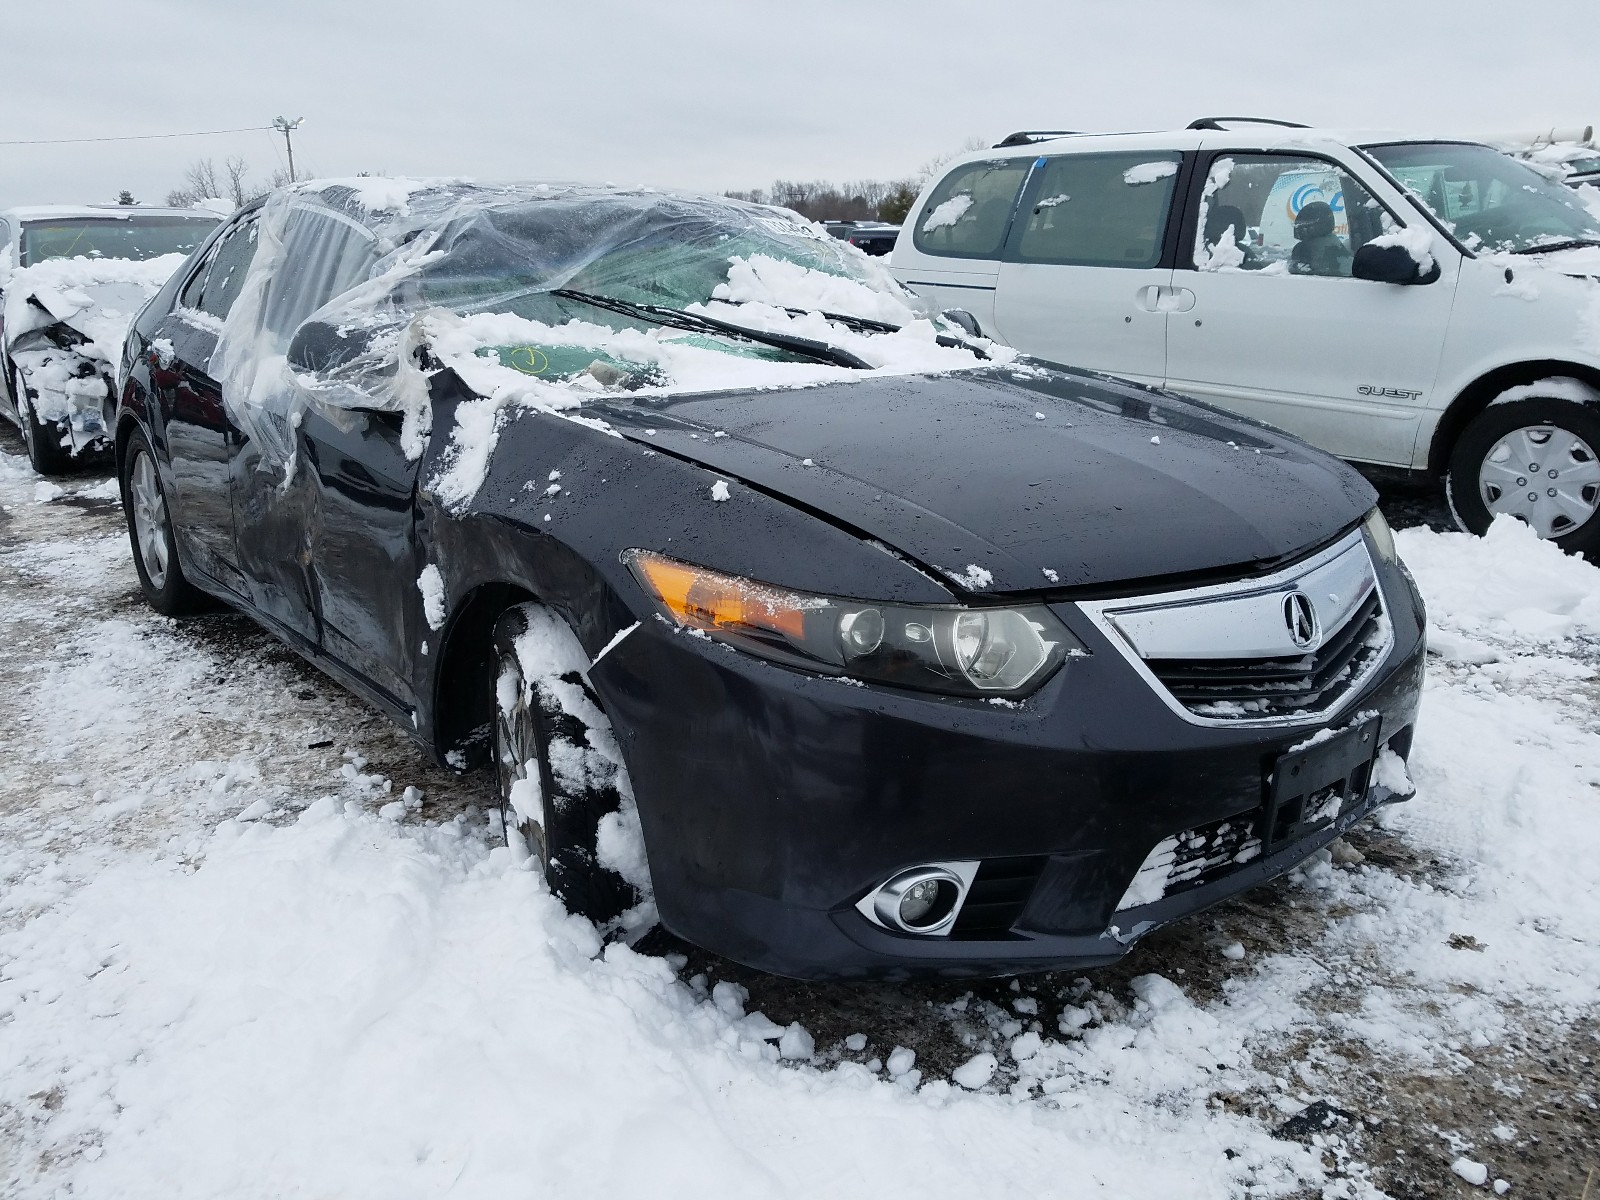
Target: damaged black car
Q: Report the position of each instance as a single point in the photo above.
(785, 613)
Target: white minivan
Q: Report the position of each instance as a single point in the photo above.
(1426, 306)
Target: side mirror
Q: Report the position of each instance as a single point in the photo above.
(961, 317)
(1390, 264)
(319, 348)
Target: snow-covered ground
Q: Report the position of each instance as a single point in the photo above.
(239, 958)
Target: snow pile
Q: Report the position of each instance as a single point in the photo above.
(99, 297)
(1509, 585)
(376, 1010)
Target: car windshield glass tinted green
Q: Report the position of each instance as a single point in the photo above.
(135, 237)
(1490, 200)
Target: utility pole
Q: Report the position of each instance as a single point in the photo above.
(285, 126)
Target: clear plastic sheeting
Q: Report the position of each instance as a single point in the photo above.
(544, 294)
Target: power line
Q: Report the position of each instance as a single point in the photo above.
(133, 137)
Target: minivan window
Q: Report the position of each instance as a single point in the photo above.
(1100, 210)
(1284, 215)
(1490, 200)
(968, 214)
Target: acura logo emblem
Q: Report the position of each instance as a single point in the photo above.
(1300, 615)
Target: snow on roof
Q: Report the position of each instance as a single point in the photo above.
(47, 212)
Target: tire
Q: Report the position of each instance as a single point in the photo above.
(155, 551)
(1544, 447)
(542, 699)
(42, 440)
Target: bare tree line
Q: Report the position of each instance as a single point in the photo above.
(859, 200)
(202, 181)
(818, 199)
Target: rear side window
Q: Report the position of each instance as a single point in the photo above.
(324, 253)
(968, 214)
(216, 284)
(1100, 210)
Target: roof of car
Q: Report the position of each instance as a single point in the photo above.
(1242, 136)
(47, 212)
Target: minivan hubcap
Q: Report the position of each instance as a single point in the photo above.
(1544, 475)
(149, 520)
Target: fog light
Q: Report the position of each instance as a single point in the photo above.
(918, 901)
(923, 900)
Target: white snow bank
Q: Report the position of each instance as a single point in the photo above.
(366, 1009)
(1508, 584)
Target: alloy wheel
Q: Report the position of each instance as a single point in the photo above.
(1544, 475)
(24, 413)
(517, 759)
(149, 519)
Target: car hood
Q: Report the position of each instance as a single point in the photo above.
(1019, 479)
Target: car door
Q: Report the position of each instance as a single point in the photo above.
(1087, 276)
(199, 434)
(364, 555)
(1282, 332)
(276, 497)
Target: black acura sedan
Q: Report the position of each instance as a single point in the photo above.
(859, 647)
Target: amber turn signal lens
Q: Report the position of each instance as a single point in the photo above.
(707, 600)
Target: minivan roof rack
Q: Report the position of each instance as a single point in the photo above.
(1216, 122)
(1026, 137)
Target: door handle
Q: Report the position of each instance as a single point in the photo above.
(1159, 298)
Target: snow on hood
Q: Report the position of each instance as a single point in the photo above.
(490, 282)
(99, 297)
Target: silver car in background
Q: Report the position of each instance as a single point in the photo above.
(71, 281)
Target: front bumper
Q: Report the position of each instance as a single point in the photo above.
(772, 801)
(70, 393)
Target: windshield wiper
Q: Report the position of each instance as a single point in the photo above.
(677, 318)
(1564, 244)
(868, 325)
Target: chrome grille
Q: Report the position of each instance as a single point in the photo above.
(1227, 654)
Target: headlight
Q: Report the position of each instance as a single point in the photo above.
(1381, 536)
(960, 651)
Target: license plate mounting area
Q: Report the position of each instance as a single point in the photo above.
(1314, 785)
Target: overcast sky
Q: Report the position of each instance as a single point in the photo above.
(706, 95)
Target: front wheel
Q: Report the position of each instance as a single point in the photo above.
(1537, 460)
(564, 792)
(155, 554)
(42, 438)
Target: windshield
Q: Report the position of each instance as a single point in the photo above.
(1489, 200)
(131, 237)
(642, 248)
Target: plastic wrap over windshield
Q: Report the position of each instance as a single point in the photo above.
(546, 295)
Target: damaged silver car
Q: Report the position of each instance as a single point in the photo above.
(71, 281)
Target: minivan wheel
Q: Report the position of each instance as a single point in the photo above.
(155, 554)
(1537, 460)
(559, 770)
(43, 440)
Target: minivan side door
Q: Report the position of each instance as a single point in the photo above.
(1281, 331)
(1087, 273)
